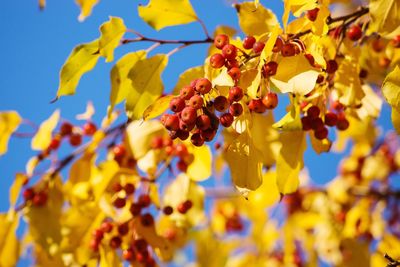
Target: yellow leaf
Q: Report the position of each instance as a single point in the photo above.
(297, 7)
(42, 138)
(187, 76)
(148, 163)
(158, 107)
(255, 20)
(396, 120)
(371, 103)
(295, 75)
(15, 188)
(200, 168)
(223, 79)
(82, 59)
(147, 86)
(111, 33)
(385, 16)
(245, 162)
(102, 176)
(319, 26)
(320, 146)
(86, 8)
(9, 243)
(391, 88)
(269, 45)
(31, 165)
(9, 122)
(109, 257)
(267, 194)
(160, 14)
(120, 84)
(290, 160)
(42, 4)
(291, 121)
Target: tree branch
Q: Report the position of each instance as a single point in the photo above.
(392, 262)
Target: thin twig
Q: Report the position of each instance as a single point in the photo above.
(392, 262)
(203, 26)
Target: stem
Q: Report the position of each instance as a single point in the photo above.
(203, 26)
(392, 262)
(142, 38)
(173, 51)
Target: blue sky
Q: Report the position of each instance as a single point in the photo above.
(35, 45)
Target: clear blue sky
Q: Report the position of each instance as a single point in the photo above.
(35, 44)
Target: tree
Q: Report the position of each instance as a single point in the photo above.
(136, 192)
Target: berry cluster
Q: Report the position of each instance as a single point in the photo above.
(122, 157)
(37, 199)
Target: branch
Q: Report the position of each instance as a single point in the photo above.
(392, 262)
(142, 38)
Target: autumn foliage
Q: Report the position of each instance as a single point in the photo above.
(144, 191)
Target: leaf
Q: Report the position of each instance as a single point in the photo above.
(88, 114)
(42, 4)
(187, 76)
(223, 79)
(109, 257)
(42, 138)
(111, 34)
(385, 16)
(158, 107)
(320, 146)
(147, 86)
(255, 20)
(160, 14)
(290, 161)
(15, 188)
(9, 243)
(297, 7)
(82, 59)
(292, 120)
(267, 194)
(201, 167)
(9, 122)
(245, 162)
(120, 84)
(295, 75)
(396, 120)
(391, 88)
(86, 8)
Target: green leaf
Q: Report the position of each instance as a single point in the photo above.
(121, 85)
(160, 13)
(385, 16)
(158, 107)
(255, 20)
(147, 86)
(9, 122)
(82, 59)
(111, 34)
(391, 88)
(290, 160)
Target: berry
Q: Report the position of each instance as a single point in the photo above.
(313, 112)
(395, 42)
(384, 62)
(177, 104)
(75, 139)
(306, 123)
(188, 115)
(171, 122)
(106, 227)
(235, 94)
(115, 242)
(197, 140)
(221, 40)
(119, 151)
(229, 51)
(208, 135)
(186, 92)
(226, 119)
(321, 133)
(147, 219)
(258, 47)
(378, 44)
(234, 73)
(28, 194)
(354, 33)
(278, 45)
(288, 50)
(257, 106)
(39, 199)
(168, 210)
(269, 69)
(66, 128)
(157, 142)
(187, 127)
(144, 201)
(128, 254)
(221, 103)
(181, 150)
(330, 119)
(129, 188)
(316, 123)
(184, 206)
(342, 123)
(337, 105)
(167, 141)
(248, 42)
(320, 78)
(89, 128)
(217, 61)
(140, 245)
(123, 229)
(363, 74)
(331, 66)
(270, 100)
(94, 245)
(119, 202)
(203, 122)
(55, 143)
(135, 209)
(203, 86)
(183, 135)
(229, 64)
(236, 109)
(98, 234)
(312, 14)
(196, 102)
(181, 165)
(116, 187)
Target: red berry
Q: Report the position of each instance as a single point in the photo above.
(229, 64)
(140, 245)
(270, 100)
(183, 135)
(384, 62)
(119, 151)
(208, 135)
(321, 133)
(168, 210)
(203, 86)
(66, 128)
(278, 45)
(236, 109)
(217, 61)
(55, 143)
(248, 42)
(188, 115)
(257, 106)
(378, 44)
(28, 194)
(75, 139)
(269, 69)
(147, 219)
(135, 209)
(226, 119)
(123, 229)
(342, 123)
(316, 123)
(115, 242)
(89, 128)
(184, 206)
(98, 234)
(229, 51)
(177, 104)
(234, 73)
(187, 92)
(221, 40)
(395, 42)
(187, 127)
(167, 141)
(157, 142)
(181, 150)
(312, 14)
(106, 227)
(320, 78)
(144, 201)
(39, 199)
(258, 47)
(337, 105)
(94, 245)
(288, 50)
(235, 94)
(196, 102)
(203, 122)
(306, 123)
(331, 119)
(119, 202)
(116, 187)
(221, 103)
(363, 74)
(354, 33)
(197, 140)
(331, 66)
(171, 122)
(128, 254)
(129, 188)
(181, 166)
(313, 112)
